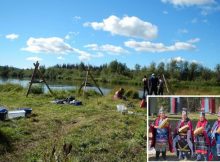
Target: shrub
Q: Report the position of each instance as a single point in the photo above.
(37, 89)
(132, 93)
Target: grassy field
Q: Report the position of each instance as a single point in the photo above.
(173, 119)
(94, 131)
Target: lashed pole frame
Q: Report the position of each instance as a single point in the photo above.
(36, 69)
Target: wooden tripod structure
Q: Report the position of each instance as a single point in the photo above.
(85, 82)
(33, 81)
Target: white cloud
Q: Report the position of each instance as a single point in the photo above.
(55, 45)
(183, 31)
(77, 17)
(178, 59)
(12, 36)
(206, 10)
(108, 48)
(189, 2)
(165, 12)
(70, 35)
(85, 56)
(34, 59)
(194, 40)
(60, 58)
(146, 46)
(206, 6)
(127, 26)
(47, 45)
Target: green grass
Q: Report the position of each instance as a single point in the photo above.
(95, 130)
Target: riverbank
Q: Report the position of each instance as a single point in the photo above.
(95, 131)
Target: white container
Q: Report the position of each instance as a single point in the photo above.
(16, 114)
(122, 108)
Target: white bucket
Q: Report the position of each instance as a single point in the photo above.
(122, 108)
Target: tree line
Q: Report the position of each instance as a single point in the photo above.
(117, 72)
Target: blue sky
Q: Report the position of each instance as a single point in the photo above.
(99, 31)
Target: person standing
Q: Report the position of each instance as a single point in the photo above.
(215, 137)
(160, 85)
(161, 135)
(153, 83)
(201, 138)
(145, 83)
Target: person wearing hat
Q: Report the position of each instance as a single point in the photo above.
(183, 137)
(215, 135)
(153, 83)
(201, 138)
(161, 135)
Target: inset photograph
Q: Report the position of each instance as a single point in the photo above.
(183, 128)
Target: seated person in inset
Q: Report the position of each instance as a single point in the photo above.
(119, 94)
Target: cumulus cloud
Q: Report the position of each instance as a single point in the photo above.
(12, 36)
(146, 46)
(34, 59)
(47, 45)
(178, 59)
(108, 48)
(206, 6)
(189, 2)
(55, 45)
(85, 56)
(126, 26)
(60, 58)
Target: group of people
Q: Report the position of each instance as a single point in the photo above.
(153, 85)
(203, 143)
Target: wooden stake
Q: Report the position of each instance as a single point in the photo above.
(166, 84)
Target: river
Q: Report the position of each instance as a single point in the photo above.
(57, 85)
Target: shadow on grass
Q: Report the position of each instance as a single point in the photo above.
(5, 143)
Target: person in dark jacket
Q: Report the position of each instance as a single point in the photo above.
(160, 85)
(153, 83)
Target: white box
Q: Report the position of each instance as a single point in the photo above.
(16, 114)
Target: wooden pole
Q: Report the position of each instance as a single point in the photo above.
(96, 84)
(87, 72)
(42, 77)
(166, 84)
(32, 77)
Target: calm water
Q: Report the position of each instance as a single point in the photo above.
(61, 86)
